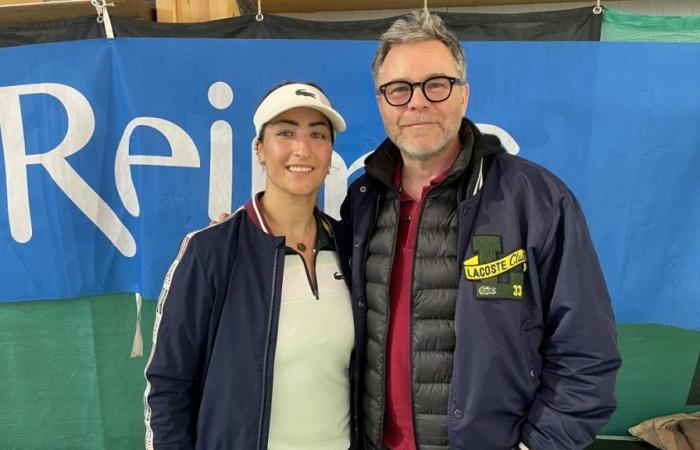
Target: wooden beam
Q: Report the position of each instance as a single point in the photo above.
(166, 11)
(223, 9)
(23, 11)
(16, 2)
(306, 6)
(178, 11)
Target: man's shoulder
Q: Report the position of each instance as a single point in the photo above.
(512, 169)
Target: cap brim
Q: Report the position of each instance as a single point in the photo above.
(337, 121)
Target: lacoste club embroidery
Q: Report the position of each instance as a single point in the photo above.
(495, 275)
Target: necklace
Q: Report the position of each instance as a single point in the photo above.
(301, 247)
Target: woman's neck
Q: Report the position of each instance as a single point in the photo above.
(292, 216)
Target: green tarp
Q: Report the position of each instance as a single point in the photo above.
(628, 27)
(69, 381)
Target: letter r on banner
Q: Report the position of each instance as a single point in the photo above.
(81, 124)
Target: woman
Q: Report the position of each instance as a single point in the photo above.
(255, 330)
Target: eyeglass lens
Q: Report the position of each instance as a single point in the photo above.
(399, 93)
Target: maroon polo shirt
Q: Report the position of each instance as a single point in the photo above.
(398, 412)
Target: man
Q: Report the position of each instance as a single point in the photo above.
(489, 324)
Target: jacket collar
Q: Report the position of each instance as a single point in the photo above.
(324, 239)
(475, 146)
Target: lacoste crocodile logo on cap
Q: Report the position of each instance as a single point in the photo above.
(305, 93)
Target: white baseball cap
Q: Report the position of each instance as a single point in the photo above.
(297, 95)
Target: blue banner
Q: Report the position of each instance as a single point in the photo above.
(113, 150)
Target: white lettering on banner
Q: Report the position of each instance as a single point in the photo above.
(220, 169)
(336, 183)
(81, 124)
(507, 140)
(221, 164)
(184, 154)
(334, 186)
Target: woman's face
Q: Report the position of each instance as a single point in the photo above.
(296, 151)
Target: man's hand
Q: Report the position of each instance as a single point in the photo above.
(222, 216)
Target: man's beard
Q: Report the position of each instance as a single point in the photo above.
(426, 152)
(423, 153)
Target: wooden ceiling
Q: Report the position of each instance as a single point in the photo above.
(17, 11)
(305, 6)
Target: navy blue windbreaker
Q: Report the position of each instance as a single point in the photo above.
(210, 372)
(536, 350)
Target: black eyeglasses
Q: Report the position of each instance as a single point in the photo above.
(435, 89)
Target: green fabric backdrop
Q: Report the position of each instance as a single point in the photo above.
(629, 27)
(69, 381)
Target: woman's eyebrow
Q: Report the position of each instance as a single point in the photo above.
(320, 122)
(287, 121)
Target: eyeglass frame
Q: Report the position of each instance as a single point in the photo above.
(452, 80)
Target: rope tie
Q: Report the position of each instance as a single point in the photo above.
(137, 345)
(103, 16)
(259, 16)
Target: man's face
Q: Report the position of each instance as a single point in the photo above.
(421, 129)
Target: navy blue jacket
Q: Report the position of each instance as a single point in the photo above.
(210, 372)
(536, 355)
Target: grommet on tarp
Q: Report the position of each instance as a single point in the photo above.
(597, 9)
(259, 16)
(137, 346)
(103, 16)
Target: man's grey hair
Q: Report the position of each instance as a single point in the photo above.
(419, 26)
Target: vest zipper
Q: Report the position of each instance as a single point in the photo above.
(410, 315)
(388, 314)
(271, 309)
